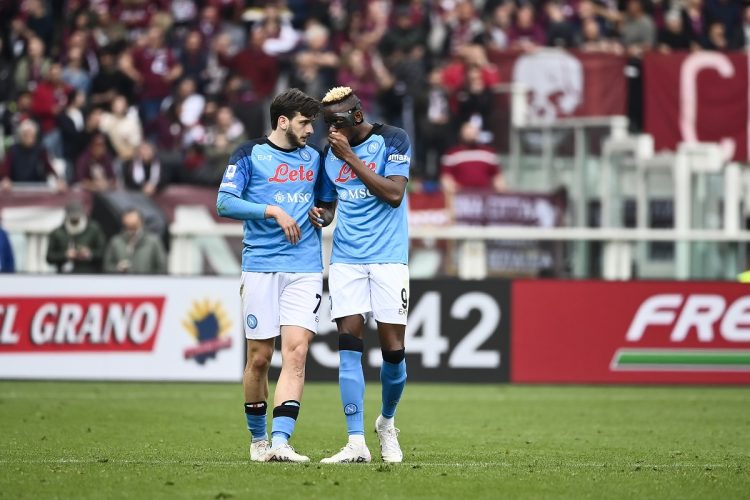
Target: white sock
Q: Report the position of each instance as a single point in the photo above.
(386, 423)
(357, 439)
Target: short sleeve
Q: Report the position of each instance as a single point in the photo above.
(398, 154)
(325, 189)
(238, 173)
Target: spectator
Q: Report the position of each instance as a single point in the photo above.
(134, 250)
(728, 13)
(560, 32)
(94, 168)
(110, 82)
(192, 109)
(496, 29)
(122, 127)
(13, 115)
(39, 20)
(526, 33)
(315, 65)
(144, 172)
(254, 65)
(434, 125)
(27, 160)
(475, 100)
(194, 59)
(222, 139)
(694, 22)
(48, 100)
(464, 27)
(32, 67)
(136, 16)
(717, 38)
(109, 33)
(673, 36)
(75, 74)
(77, 246)
(358, 72)
(75, 130)
(280, 36)
(593, 41)
(7, 83)
(156, 68)
(470, 165)
(7, 262)
(216, 64)
(638, 29)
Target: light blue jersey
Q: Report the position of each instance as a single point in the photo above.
(369, 231)
(261, 172)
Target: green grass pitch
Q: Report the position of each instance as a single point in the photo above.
(158, 440)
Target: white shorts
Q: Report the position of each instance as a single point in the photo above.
(382, 289)
(272, 300)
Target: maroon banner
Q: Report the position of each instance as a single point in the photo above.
(697, 97)
(634, 332)
(564, 84)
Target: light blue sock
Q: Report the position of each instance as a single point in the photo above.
(352, 385)
(255, 413)
(282, 431)
(393, 380)
(284, 420)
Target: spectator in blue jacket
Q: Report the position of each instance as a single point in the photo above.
(7, 263)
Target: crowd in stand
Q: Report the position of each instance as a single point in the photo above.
(142, 93)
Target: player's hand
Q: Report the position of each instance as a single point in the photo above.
(339, 144)
(286, 223)
(320, 217)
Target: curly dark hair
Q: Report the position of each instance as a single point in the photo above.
(290, 102)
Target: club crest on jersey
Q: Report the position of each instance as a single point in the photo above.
(372, 147)
(305, 155)
(252, 321)
(346, 173)
(285, 173)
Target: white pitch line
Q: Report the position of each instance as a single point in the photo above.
(192, 463)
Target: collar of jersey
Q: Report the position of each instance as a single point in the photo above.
(274, 146)
(375, 128)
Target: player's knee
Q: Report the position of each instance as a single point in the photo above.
(394, 356)
(259, 362)
(295, 355)
(348, 342)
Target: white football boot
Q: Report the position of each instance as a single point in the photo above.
(351, 453)
(390, 450)
(285, 453)
(258, 450)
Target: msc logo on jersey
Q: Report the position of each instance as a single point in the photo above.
(305, 155)
(355, 194)
(372, 147)
(263, 157)
(298, 197)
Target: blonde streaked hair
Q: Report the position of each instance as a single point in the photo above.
(337, 94)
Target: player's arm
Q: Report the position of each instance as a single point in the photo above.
(229, 202)
(232, 206)
(321, 214)
(389, 189)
